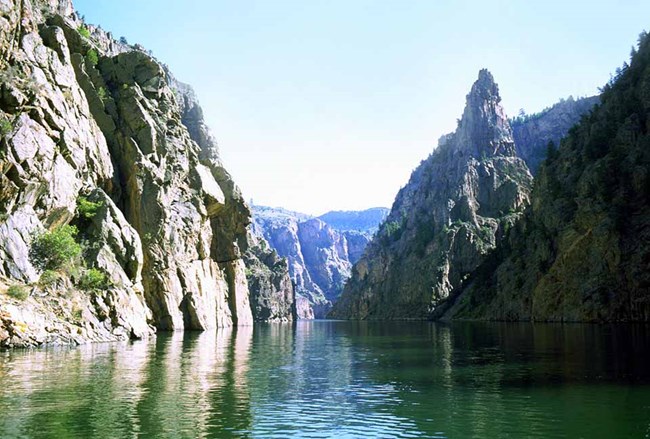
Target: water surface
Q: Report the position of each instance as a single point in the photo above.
(338, 379)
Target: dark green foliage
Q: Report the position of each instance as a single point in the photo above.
(92, 57)
(392, 231)
(18, 292)
(93, 280)
(424, 234)
(55, 250)
(551, 151)
(581, 252)
(87, 209)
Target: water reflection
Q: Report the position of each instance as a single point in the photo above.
(338, 379)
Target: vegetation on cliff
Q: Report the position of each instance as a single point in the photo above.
(116, 213)
(582, 250)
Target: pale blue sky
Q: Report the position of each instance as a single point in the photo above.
(321, 105)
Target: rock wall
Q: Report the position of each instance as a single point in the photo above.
(448, 217)
(532, 133)
(582, 250)
(319, 256)
(85, 116)
(272, 293)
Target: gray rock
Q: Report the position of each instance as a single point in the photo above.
(532, 133)
(172, 229)
(445, 220)
(319, 256)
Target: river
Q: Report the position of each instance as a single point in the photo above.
(338, 379)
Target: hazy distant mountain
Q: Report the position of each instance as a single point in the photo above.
(320, 251)
(362, 221)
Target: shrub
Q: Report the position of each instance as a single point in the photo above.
(5, 127)
(84, 31)
(93, 280)
(77, 314)
(87, 209)
(92, 57)
(101, 92)
(56, 249)
(18, 292)
(392, 228)
(48, 278)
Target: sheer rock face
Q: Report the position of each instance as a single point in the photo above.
(533, 133)
(173, 227)
(319, 257)
(582, 250)
(272, 292)
(446, 219)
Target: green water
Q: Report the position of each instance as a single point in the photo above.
(339, 379)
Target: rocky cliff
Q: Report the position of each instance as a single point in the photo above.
(532, 133)
(444, 222)
(319, 255)
(582, 250)
(87, 121)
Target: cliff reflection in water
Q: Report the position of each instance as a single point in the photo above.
(332, 379)
(178, 385)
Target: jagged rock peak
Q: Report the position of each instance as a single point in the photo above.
(485, 86)
(484, 129)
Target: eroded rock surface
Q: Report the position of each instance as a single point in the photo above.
(445, 221)
(320, 256)
(582, 251)
(86, 116)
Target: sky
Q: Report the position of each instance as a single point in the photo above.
(322, 105)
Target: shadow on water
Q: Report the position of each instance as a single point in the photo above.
(338, 379)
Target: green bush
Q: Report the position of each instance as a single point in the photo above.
(55, 250)
(18, 292)
(92, 57)
(87, 209)
(392, 228)
(93, 280)
(84, 31)
(48, 278)
(5, 127)
(77, 314)
(101, 92)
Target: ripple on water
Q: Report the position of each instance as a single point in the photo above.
(337, 379)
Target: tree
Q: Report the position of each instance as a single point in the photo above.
(55, 250)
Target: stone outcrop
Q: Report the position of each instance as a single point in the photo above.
(444, 222)
(85, 116)
(582, 250)
(272, 292)
(319, 256)
(532, 133)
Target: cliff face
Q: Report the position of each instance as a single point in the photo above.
(319, 256)
(444, 222)
(86, 118)
(532, 133)
(582, 250)
(272, 293)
